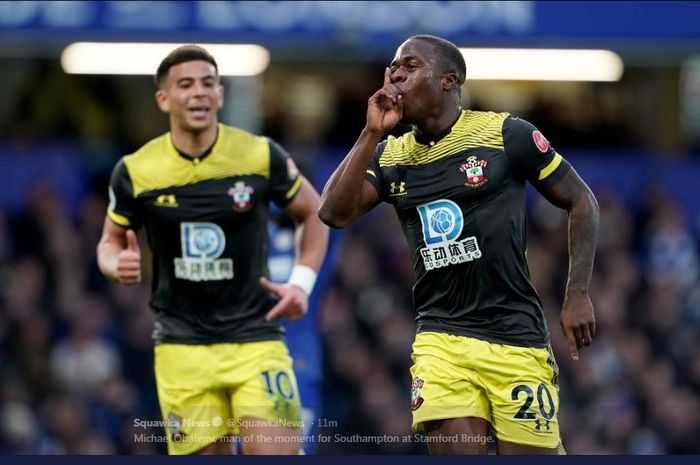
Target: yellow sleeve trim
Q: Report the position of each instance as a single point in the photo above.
(372, 173)
(549, 169)
(119, 219)
(295, 187)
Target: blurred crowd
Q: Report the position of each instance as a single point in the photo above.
(76, 352)
(76, 357)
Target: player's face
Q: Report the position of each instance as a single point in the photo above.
(192, 95)
(414, 72)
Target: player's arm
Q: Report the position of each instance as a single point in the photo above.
(531, 156)
(118, 254)
(348, 195)
(577, 318)
(311, 235)
(297, 197)
(311, 242)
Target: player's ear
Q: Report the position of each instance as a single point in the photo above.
(162, 100)
(221, 96)
(449, 81)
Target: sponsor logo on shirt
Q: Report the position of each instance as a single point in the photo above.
(202, 245)
(292, 170)
(442, 224)
(397, 188)
(166, 200)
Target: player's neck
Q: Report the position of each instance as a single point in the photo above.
(435, 126)
(194, 143)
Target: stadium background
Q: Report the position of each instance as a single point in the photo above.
(75, 351)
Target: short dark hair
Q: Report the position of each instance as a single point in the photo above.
(181, 55)
(448, 54)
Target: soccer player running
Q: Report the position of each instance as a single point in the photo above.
(481, 356)
(202, 192)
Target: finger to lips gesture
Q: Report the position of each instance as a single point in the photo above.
(385, 107)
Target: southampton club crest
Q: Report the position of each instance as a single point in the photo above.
(416, 399)
(175, 424)
(474, 169)
(240, 193)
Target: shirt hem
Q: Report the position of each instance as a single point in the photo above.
(217, 340)
(425, 328)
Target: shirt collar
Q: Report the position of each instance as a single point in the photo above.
(206, 153)
(421, 139)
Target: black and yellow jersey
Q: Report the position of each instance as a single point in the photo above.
(461, 203)
(206, 222)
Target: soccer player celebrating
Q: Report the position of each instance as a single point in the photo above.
(481, 356)
(202, 192)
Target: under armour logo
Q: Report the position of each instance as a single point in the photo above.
(397, 188)
(540, 424)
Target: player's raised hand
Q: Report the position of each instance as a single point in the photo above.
(129, 260)
(385, 107)
(577, 322)
(293, 304)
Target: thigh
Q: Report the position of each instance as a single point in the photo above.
(441, 388)
(193, 410)
(523, 389)
(266, 405)
(267, 438)
(509, 448)
(310, 395)
(224, 446)
(463, 436)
